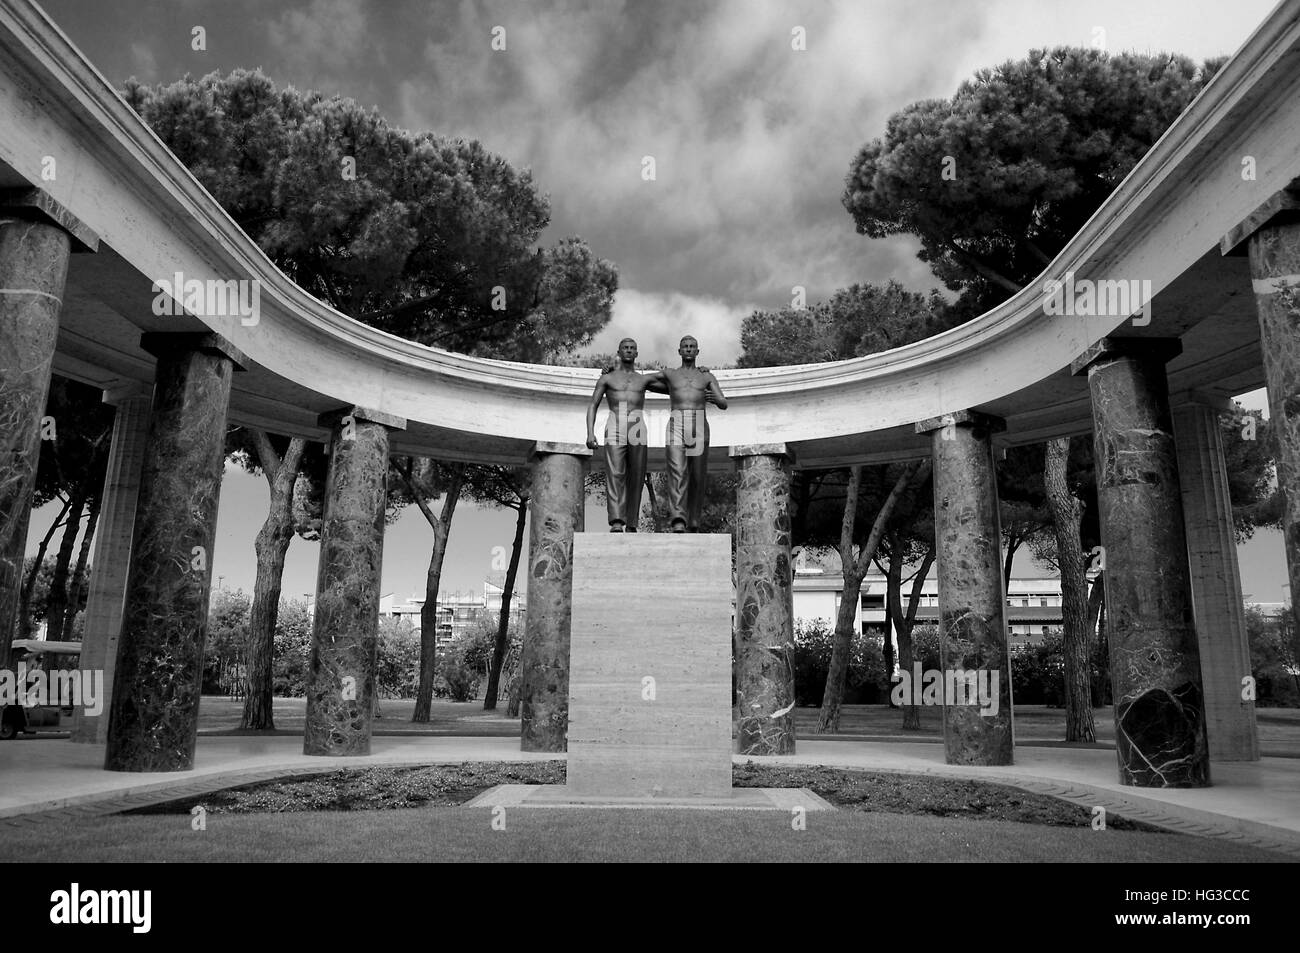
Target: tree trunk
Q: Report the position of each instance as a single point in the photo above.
(57, 603)
(77, 588)
(906, 621)
(24, 626)
(854, 570)
(837, 676)
(270, 547)
(503, 624)
(429, 611)
(1066, 514)
(1013, 543)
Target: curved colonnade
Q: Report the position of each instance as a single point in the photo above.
(1212, 251)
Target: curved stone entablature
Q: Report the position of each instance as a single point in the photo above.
(1160, 228)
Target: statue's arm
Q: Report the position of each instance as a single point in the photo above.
(596, 396)
(658, 382)
(714, 395)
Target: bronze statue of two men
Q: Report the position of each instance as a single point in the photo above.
(687, 439)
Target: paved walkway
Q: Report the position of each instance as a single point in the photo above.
(1256, 803)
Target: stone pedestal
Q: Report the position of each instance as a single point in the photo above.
(977, 725)
(1154, 659)
(556, 509)
(764, 601)
(154, 711)
(33, 266)
(345, 629)
(650, 666)
(1217, 604)
(112, 551)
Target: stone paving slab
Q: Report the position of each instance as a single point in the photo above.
(741, 799)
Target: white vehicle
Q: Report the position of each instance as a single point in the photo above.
(55, 715)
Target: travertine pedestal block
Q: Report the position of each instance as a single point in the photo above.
(650, 666)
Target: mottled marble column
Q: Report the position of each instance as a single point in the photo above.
(556, 511)
(977, 725)
(106, 594)
(1154, 658)
(764, 601)
(154, 711)
(1217, 604)
(1275, 272)
(345, 631)
(33, 267)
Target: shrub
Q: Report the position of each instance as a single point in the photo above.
(398, 669)
(813, 643)
(462, 665)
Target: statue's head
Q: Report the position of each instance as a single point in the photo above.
(627, 350)
(688, 348)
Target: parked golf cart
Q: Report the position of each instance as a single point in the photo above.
(30, 719)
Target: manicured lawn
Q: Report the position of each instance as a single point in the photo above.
(461, 834)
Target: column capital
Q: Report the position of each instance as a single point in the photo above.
(1219, 403)
(962, 418)
(37, 205)
(124, 391)
(762, 450)
(542, 447)
(1280, 208)
(332, 418)
(159, 343)
(1161, 349)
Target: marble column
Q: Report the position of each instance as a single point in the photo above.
(154, 710)
(1217, 605)
(1154, 658)
(345, 630)
(112, 550)
(36, 237)
(973, 641)
(556, 511)
(764, 601)
(1272, 240)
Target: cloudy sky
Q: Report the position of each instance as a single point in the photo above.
(750, 137)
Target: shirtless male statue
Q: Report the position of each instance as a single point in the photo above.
(687, 440)
(625, 436)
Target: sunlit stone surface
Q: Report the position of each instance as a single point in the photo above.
(1218, 606)
(33, 266)
(764, 602)
(1275, 268)
(112, 554)
(345, 629)
(556, 513)
(972, 602)
(154, 712)
(1155, 664)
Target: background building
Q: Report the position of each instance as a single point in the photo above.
(459, 611)
(1033, 603)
